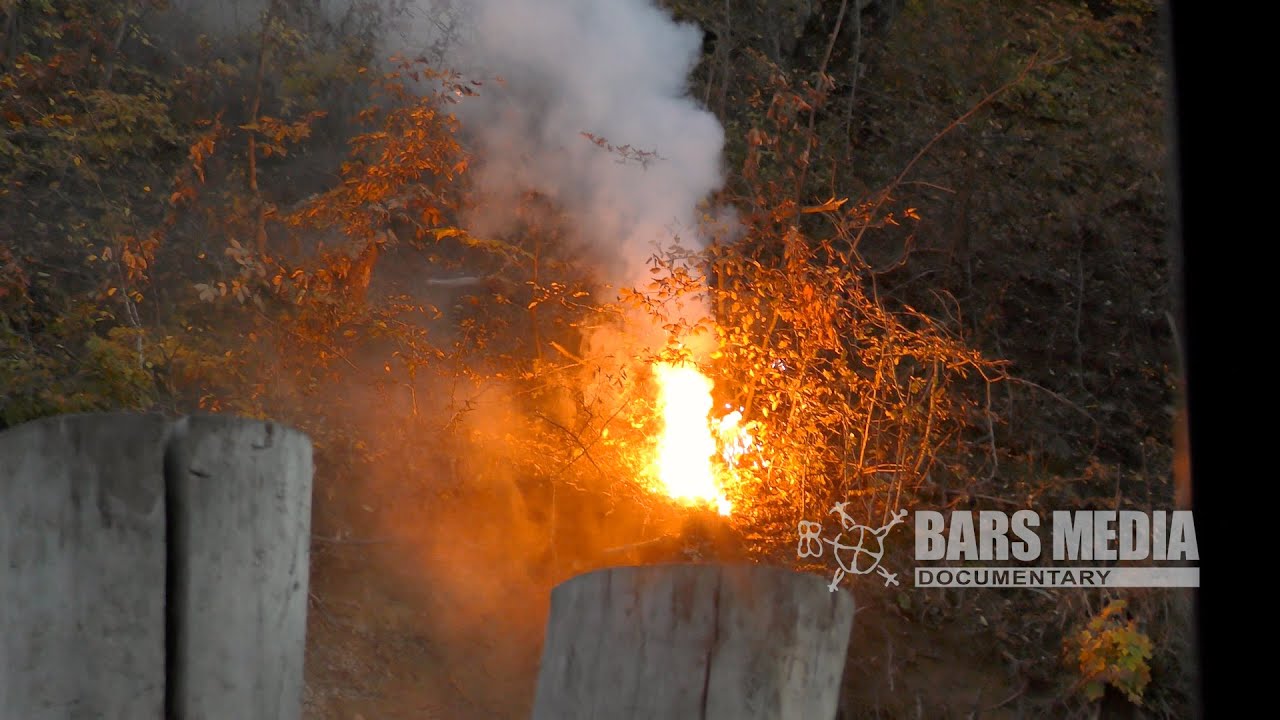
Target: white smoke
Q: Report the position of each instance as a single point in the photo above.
(616, 69)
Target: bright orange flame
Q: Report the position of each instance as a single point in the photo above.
(690, 441)
(735, 438)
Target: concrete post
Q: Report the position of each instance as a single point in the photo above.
(240, 537)
(82, 568)
(705, 642)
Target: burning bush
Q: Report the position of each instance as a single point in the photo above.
(821, 391)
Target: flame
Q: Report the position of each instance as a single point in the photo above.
(691, 440)
(735, 438)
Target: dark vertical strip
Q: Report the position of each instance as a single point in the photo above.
(175, 546)
(712, 647)
(1189, 417)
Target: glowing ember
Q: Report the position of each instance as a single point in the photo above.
(684, 463)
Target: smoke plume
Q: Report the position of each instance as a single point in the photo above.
(616, 70)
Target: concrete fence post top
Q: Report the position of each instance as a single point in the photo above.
(153, 567)
(698, 641)
(731, 575)
(135, 422)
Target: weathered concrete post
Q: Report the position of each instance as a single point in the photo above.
(82, 568)
(702, 642)
(151, 569)
(240, 534)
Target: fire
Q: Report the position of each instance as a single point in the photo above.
(691, 439)
(735, 438)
